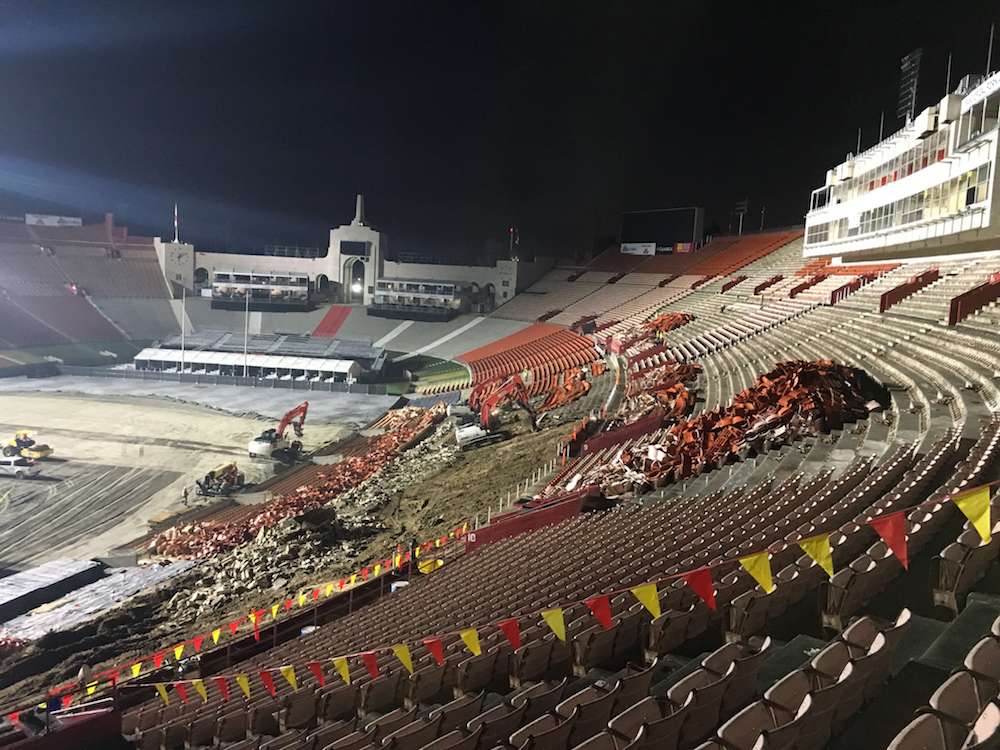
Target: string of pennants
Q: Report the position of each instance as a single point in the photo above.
(891, 528)
(974, 504)
(133, 669)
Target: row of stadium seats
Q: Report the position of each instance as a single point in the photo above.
(542, 349)
(46, 321)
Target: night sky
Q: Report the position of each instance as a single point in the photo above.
(455, 119)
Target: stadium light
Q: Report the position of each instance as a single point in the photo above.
(356, 287)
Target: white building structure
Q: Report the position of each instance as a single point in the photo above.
(931, 186)
(356, 262)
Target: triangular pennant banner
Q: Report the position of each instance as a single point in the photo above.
(329, 588)
(317, 670)
(91, 688)
(182, 691)
(197, 641)
(274, 610)
(512, 629)
(288, 672)
(600, 608)
(289, 604)
(244, 682)
(315, 595)
(162, 690)
(436, 649)
(67, 700)
(402, 652)
(136, 668)
(554, 619)
(818, 548)
(470, 636)
(759, 566)
(700, 582)
(158, 660)
(340, 663)
(370, 660)
(302, 599)
(199, 687)
(223, 685)
(256, 617)
(647, 594)
(216, 634)
(178, 651)
(976, 507)
(354, 578)
(234, 626)
(892, 529)
(268, 682)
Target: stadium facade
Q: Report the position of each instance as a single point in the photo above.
(927, 189)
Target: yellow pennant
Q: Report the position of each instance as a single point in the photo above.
(465, 528)
(289, 674)
(302, 599)
(215, 635)
(244, 682)
(416, 551)
(345, 671)
(274, 611)
(354, 578)
(252, 616)
(759, 566)
(136, 668)
(162, 690)
(402, 652)
(437, 542)
(91, 688)
(378, 568)
(398, 560)
(178, 651)
(471, 638)
(199, 687)
(976, 507)
(329, 589)
(818, 548)
(554, 619)
(646, 593)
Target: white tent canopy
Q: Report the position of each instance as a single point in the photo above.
(160, 358)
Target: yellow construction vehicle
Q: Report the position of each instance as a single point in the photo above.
(22, 444)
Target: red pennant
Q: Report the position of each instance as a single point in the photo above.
(182, 691)
(700, 582)
(892, 529)
(600, 607)
(512, 629)
(66, 700)
(14, 716)
(223, 685)
(234, 626)
(315, 595)
(436, 649)
(371, 662)
(288, 604)
(158, 660)
(317, 669)
(406, 556)
(197, 641)
(340, 584)
(258, 616)
(268, 681)
(364, 573)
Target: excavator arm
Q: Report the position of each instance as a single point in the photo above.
(290, 419)
(512, 390)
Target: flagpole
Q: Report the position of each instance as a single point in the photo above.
(183, 326)
(246, 330)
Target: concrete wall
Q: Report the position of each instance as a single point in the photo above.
(177, 263)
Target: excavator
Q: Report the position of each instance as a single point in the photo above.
(273, 443)
(22, 444)
(512, 391)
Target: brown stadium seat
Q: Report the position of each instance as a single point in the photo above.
(779, 728)
(591, 708)
(414, 735)
(649, 724)
(390, 722)
(497, 723)
(541, 698)
(548, 732)
(459, 712)
(984, 659)
(328, 733)
(702, 716)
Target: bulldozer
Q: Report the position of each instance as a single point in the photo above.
(22, 444)
(223, 480)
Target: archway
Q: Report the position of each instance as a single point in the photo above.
(489, 298)
(322, 283)
(356, 285)
(200, 275)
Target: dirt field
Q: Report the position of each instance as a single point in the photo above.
(118, 463)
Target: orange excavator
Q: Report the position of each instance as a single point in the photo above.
(273, 441)
(512, 391)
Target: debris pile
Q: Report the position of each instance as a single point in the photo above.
(206, 539)
(794, 399)
(10, 645)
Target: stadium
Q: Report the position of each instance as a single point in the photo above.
(696, 491)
